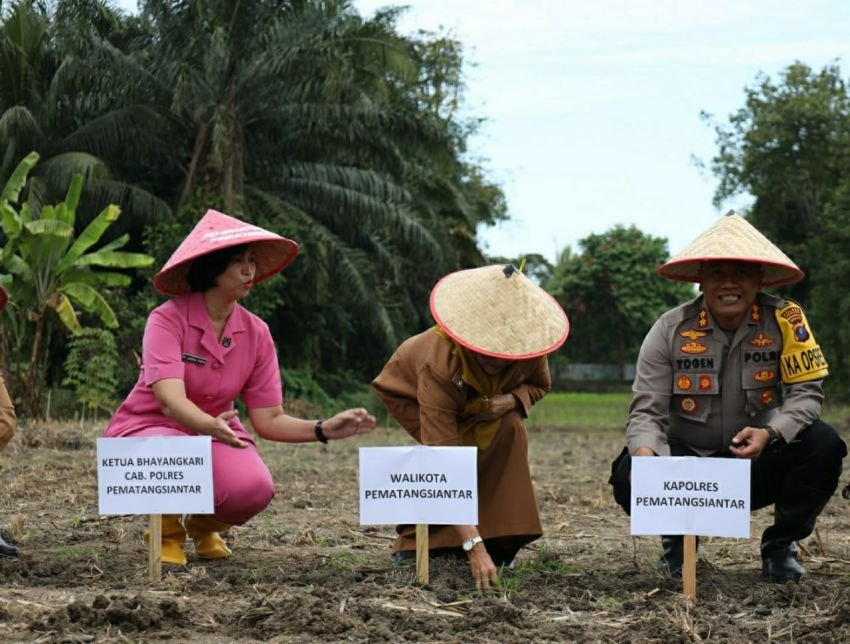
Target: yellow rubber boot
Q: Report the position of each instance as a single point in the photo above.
(173, 538)
(204, 530)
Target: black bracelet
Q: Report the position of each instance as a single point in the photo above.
(320, 433)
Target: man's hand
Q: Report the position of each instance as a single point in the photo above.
(644, 451)
(750, 442)
(484, 571)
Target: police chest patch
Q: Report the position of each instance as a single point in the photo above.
(762, 340)
(759, 357)
(764, 375)
(706, 363)
(689, 405)
(694, 347)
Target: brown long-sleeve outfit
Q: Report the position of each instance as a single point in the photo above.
(423, 389)
(8, 420)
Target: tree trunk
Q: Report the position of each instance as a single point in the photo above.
(33, 395)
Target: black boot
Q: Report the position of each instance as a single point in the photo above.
(672, 554)
(795, 513)
(780, 563)
(6, 550)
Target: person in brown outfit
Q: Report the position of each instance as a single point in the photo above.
(471, 380)
(8, 424)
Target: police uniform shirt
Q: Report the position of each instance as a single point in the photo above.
(698, 385)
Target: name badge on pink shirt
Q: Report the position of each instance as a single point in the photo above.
(188, 357)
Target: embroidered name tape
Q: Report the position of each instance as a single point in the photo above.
(188, 357)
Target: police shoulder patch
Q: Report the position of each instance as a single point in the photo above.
(801, 358)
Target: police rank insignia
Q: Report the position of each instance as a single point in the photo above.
(704, 382)
(684, 383)
(693, 334)
(762, 340)
(764, 375)
(694, 347)
(702, 321)
(755, 313)
(689, 405)
(766, 396)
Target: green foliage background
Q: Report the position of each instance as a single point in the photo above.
(335, 130)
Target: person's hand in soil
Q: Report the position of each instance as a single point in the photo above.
(484, 571)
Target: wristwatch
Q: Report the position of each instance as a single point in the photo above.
(773, 436)
(469, 544)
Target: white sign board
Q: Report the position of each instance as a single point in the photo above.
(155, 475)
(433, 485)
(691, 495)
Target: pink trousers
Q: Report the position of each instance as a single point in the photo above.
(242, 484)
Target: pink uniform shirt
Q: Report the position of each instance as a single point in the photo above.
(179, 342)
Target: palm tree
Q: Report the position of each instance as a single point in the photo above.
(50, 102)
(287, 109)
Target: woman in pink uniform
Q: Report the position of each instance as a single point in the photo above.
(201, 350)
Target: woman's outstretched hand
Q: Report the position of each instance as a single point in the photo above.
(349, 423)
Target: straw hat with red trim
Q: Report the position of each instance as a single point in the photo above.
(4, 298)
(215, 231)
(732, 238)
(497, 311)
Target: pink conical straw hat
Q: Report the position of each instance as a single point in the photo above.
(497, 311)
(732, 238)
(215, 231)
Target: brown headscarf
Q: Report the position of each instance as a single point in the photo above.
(472, 430)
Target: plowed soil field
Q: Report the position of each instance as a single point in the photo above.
(306, 571)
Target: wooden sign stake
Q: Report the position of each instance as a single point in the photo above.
(155, 548)
(689, 567)
(422, 553)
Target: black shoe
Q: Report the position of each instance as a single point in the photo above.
(403, 557)
(780, 563)
(672, 555)
(6, 550)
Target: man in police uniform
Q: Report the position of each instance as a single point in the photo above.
(737, 373)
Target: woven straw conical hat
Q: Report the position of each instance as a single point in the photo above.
(497, 311)
(732, 238)
(215, 231)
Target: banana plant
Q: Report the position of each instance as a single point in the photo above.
(51, 272)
